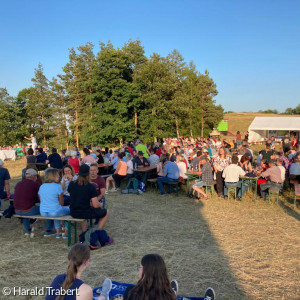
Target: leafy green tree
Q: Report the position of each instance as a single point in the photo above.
(39, 106)
(157, 86)
(7, 118)
(78, 82)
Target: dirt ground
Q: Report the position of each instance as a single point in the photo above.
(242, 249)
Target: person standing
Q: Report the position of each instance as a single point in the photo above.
(285, 142)
(220, 162)
(33, 141)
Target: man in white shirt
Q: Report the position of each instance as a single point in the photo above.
(231, 175)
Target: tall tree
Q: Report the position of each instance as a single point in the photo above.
(39, 106)
(157, 86)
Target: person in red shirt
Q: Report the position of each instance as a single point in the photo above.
(74, 162)
(25, 197)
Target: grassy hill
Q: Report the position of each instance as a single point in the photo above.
(242, 120)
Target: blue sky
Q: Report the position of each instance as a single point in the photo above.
(251, 48)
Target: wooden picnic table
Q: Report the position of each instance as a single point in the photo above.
(145, 169)
(251, 180)
(191, 175)
(104, 165)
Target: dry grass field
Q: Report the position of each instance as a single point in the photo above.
(242, 120)
(242, 249)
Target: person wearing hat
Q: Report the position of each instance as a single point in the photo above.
(4, 182)
(141, 147)
(25, 198)
(84, 202)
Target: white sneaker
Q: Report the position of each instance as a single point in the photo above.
(113, 190)
(106, 192)
(106, 288)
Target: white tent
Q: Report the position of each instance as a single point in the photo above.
(263, 127)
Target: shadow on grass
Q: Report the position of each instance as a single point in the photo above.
(191, 251)
(290, 211)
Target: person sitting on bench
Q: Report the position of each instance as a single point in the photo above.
(273, 175)
(84, 202)
(52, 201)
(170, 175)
(206, 176)
(231, 175)
(25, 197)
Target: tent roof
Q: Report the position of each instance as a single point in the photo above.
(275, 123)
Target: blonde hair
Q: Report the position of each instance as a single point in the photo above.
(50, 175)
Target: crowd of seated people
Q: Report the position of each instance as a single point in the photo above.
(222, 163)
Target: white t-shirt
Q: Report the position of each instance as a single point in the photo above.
(129, 167)
(282, 172)
(182, 169)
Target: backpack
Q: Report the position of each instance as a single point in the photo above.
(133, 183)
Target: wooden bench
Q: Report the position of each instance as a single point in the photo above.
(176, 184)
(71, 223)
(152, 182)
(274, 191)
(297, 193)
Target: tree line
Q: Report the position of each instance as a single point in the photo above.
(288, 111)
(115, 95)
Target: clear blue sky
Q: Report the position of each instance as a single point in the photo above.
(251, 48)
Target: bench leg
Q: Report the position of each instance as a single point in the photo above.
(69, 232)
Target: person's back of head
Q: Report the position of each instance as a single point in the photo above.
(154, 282)
(199, 153)
(234, 159)
(78, 256)
(40, 150)
(54, 150)
(51, 175)
(30, 151)
(86, 151)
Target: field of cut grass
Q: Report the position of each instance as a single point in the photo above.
(242, 249)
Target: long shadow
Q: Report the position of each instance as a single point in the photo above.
(178, 231)
(291, 212)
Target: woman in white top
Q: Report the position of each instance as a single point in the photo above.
(182, 168)
(129, 165)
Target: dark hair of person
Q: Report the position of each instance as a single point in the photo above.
(30, 151)
(40, 150)
(70, 167)
(86, 151)
(83, 180)
(77, 256)
(234, 159)
(245, 158)
(121, 155)
(54, 150)
(106, 150)
(155, 282)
